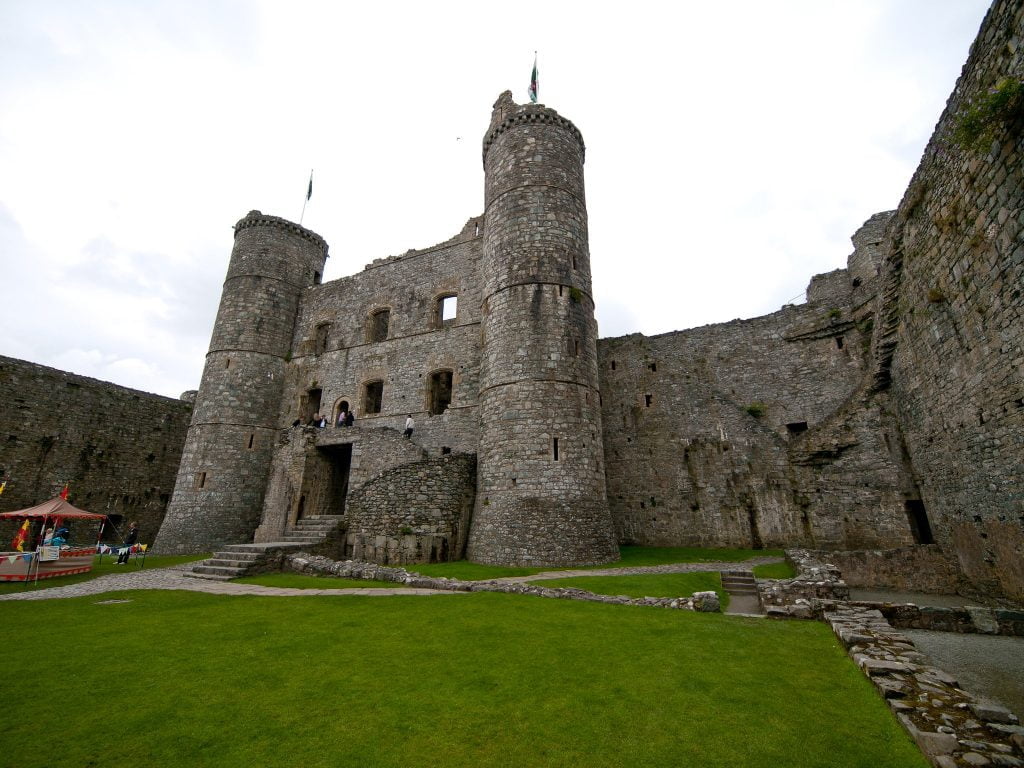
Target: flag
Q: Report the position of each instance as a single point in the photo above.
(2, 486)
(534, 81)
(64, 493)
(309, 190)
(19, 537)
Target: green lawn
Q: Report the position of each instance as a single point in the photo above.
(109, 565)
(652, 585)
(631, 557)
(183, 679)
(774, 571)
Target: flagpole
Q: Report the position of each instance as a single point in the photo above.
(309, 194)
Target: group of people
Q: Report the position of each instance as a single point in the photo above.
(346, 418)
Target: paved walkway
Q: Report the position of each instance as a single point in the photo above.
(175, 578)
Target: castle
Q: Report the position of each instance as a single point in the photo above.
(885, 412)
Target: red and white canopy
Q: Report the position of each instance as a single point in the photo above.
(53, 508)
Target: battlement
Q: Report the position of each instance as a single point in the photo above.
(260, 219)
(501, 121)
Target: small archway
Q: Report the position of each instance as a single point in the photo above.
(341, 405)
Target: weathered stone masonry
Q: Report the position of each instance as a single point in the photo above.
(117, 449)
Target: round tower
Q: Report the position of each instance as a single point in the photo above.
(218, 495)
(540, 485)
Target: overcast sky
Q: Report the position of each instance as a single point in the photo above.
(732, 148)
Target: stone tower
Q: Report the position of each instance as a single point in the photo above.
(541, 489)
(218, 495)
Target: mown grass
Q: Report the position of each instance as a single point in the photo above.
(774, 571)
(651, 585)
(108, 565)
(183, 679)
(631, 557)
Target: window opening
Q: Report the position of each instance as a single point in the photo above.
(379, 323)
(445, 450)
(439, 394)
(227, 363)
(575, 347)
(316, 277)
(613, 365)
(447, 310)
(574, 261)
(309, 405)
(373, 398)
(252, 440)
(918, 519)
(200, 481)
(653, 367)
(839, 342)
(796, 427)
(341, 407)
(647, 400)
(554, 448)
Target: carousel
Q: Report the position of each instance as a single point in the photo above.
(41, 549)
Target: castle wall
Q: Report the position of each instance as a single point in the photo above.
(118, 449)
(713, 435)
(341, 360)
(949, 347)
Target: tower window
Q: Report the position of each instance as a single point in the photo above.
(653, 367)
(252, 441)
(199, 481)
(373, 397)
(377, 329)
(648, 398)
(554, 449)
(839, 342)
(317, 277)
(613, 365)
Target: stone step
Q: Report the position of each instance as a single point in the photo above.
(216, 570)
(225, 563)
(207, 576)
(248, 557)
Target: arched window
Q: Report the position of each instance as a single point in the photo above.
(446, 310)
(341, 405)
(377, 328)
(439, 392)
(373, 395)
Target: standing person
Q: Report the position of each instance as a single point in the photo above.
(410, 425)
(350, 419)
(342, 415)
(129, 539)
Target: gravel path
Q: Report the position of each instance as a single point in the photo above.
(175, 578)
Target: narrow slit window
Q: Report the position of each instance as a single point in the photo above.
(252, 440)
(554, 448)
(647, 400)
(613, 365)
(200, 481)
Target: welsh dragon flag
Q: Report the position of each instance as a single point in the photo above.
(534, 81)
(20, 536)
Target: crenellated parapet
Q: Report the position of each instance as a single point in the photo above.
(532, 114)
(260, 219)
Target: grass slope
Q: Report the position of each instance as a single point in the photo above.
(183, 679)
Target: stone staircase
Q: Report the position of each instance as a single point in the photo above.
(744, 597)
(237, 560)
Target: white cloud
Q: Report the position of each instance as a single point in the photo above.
(732, 148)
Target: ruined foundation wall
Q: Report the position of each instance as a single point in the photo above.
(951, 351)
(118, 449)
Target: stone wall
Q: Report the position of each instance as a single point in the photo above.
(331, 350)
(117, 449)
(949, 342)
(727, 435)
(912, 569)
(414, 513)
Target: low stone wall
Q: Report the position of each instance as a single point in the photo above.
(816, 584)
(968, 620)
(705, 602)
(948, 725)
(924, 568)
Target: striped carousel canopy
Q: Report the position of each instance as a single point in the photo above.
(53, 508)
